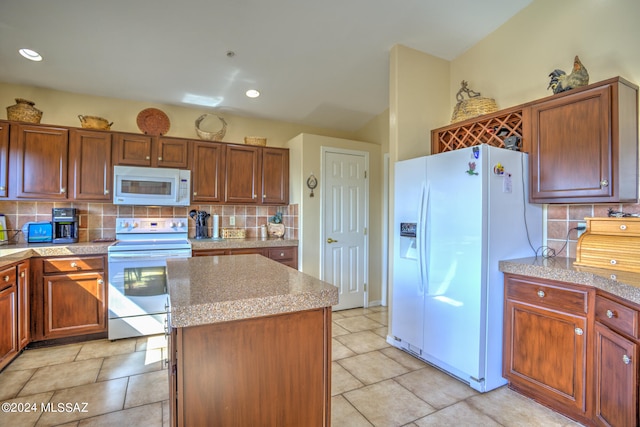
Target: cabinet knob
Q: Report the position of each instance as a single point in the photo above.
(264, 196)
(623, 227)
(541, 294)
(3, 188)
(626, 359)
(195, 193)
(610, 314)
(160, 158)
(579, 331)
(106, 192)
(613, 262)
(147, 157)
(74, 265)
(604, 183)
(63, 190)
(100, 282)
(282, 254)
(22, 274)
(6, 278)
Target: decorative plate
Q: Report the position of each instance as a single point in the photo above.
(152, 121)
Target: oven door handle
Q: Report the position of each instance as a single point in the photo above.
(125, 256)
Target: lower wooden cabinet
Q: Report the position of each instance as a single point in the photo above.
(574, 349)
(8, 316)
(70, 298)
(269, 371)
(22, 283)
(287, 255)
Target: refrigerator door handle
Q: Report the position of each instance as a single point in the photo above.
(421, 240)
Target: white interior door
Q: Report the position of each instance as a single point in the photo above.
(345, 216)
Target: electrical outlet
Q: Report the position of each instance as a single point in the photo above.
(232, 220)
(582, 225)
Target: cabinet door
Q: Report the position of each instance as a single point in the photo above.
(41, 162)
(616, 393)
(4, 158)
(74, 304)
(242, 172)
(172, 153)
(134, 150)
(207, 171)
(571, 152)
(545, 352)
(8, 316)
(275, 176)
(23, 305)
(90, 159)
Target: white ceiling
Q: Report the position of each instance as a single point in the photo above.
(321, 63)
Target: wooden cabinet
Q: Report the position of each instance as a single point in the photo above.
(40, 161)
(70, 299)
(90, 165)
(22, 286)
(547, 342)
(584, 145)
(243, 169)
(275, 176)
(152, 151)
(4, 159)
(8, 316)
(272, 370)
(287, 255)
(616, 363)
(207, 172)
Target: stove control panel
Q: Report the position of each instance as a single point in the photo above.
(151, 225)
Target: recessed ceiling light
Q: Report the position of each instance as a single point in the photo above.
(252, 93)
(30, 54)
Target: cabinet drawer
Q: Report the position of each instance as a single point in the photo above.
(75, 264)
(282, 254)
(7, 277)
(546, 294)
(618, 317)
(615, 226)
(611, 252)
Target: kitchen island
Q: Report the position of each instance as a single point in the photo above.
(249, 343)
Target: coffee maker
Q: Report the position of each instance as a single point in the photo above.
(65, 225)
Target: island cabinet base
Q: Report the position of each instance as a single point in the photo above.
(265, 371)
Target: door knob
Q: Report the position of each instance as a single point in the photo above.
(330, 240)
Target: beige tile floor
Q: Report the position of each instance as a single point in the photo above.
(124, 383)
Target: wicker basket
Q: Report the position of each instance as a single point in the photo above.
(93, 122)
(233, 233)
(24, 111)
(475, 106)
(255, 140)
(211, 136)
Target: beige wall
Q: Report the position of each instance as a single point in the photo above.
(305, 158)
(62, 108)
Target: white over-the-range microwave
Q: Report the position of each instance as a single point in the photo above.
(136, 185)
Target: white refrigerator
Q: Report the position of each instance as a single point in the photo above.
(456, 214)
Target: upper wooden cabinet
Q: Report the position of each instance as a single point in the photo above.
(243, 169)
(40, 156)
(152, 151)
(207, 171)
(90, 165)
(275, 176)
(584, 145)
(4, 158)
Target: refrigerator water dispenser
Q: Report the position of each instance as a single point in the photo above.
(408, 248)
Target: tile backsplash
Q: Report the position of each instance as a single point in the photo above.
(98, 220)
(561, 219)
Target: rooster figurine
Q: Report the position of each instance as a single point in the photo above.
(560, 81)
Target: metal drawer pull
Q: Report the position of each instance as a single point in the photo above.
(623, 227)
(610, 314)
(74, 265)
(22, 274)
(626, 359)
(6, 278)
(100, 282)
(281, 253)
(541, 294)
(579, 331)
(613, 262)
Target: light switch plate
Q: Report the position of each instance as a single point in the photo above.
(232, 220)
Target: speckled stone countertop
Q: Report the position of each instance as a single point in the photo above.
(15, 253)
(620, 283)
(240, 243)
(206, 290)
